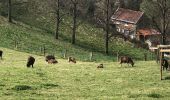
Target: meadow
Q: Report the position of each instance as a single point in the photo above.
(80, 81)
(89, 39)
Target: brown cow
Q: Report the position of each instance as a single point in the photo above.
(30, 61)
(51, 59)
(100, 66)
(125, 59)
(1, 52)
(71, 59)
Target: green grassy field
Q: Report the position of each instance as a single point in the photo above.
(81, 81)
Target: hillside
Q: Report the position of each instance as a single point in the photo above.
(79, 81)
(31, 39)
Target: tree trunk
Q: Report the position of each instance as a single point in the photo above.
(58, 20)
(164, 25)
(107, 29)
(74, 23)
(9, 11)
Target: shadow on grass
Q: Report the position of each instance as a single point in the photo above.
(154, 95)
(167, 78)
(22, 87)
(49, 85)
(127, 66)
(151, 95)
(134, 95)
(2, 85)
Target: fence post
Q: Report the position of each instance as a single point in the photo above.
(151, 56)
(15, 44)
(117, 56)
(91, 56)
(157, 55)
(145, 56)
(65, 53)
(44, 50)
(41, 50)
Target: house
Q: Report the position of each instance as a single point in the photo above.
(149, 35)
(126, 21)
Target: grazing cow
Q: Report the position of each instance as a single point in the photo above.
(100, 66)
(164, 64)
(71, 59)
(1, 52)
(51, 59)
(30, 61)
(125, 59)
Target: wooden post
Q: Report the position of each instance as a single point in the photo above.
(91, 56)
(41, 50)
(65, 54)
(145, 56)
(44, 50)
(151, 56)
(161, 64)
(158, 55)
(15, 44)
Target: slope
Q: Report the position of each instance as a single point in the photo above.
(29, 38)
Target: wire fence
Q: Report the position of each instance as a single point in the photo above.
(64, 53)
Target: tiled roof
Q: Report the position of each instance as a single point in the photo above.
(148, 31)
(127, 15)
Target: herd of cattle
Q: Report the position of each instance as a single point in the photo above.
(49, 58)
(52, 60)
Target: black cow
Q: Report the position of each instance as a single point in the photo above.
(30, 61)
(1, 52)
(126, 59)
(165, 64)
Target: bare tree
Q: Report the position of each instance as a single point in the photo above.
(105, 12)
(57, 19)
(9, 11)
(159, 12)
(75, 3)
(76, 6)
(107, 27)
(56, 8)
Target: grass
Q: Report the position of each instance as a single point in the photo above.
(81, 81)
(31, 39)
